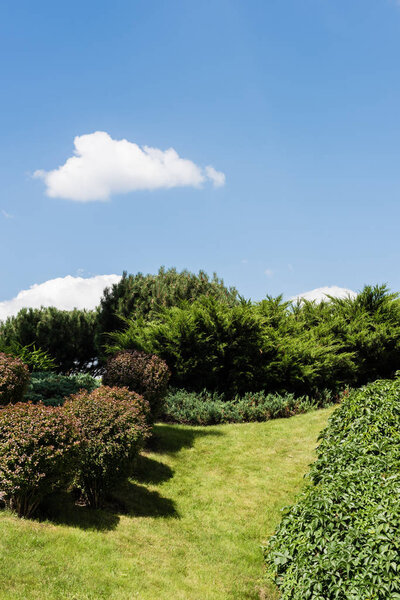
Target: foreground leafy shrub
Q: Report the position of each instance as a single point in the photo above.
(340, 541)
(112, 427)
(53, 388)
(143, 373)
(206, 408)
(14, 378)
(37, 450)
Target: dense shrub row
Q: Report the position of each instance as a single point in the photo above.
(272, 345)
(207, 408)
(211, 338)
(89, 443)
(341, 540)
(52, 388)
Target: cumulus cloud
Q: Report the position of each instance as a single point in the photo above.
(64, 292)
(321, 293)
(103, 166)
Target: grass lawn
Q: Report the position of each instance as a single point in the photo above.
(188, 527)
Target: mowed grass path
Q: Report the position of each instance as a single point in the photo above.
(189, 527)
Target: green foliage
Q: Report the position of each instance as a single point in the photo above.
(272, 345)
(53, 388)
(37, 449)
(207, 408)
(14, 378)
(141, 296)
(143, 373)
(206, 344)
(35, 358)
(112, 427)
(66, 336)
(341, 538)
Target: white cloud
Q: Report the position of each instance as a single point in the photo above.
(64, 292)
(6, 215)
(103, 166)
(217, 177)
(321, 293)
(268, 272)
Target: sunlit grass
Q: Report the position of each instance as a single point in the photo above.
(190, 526)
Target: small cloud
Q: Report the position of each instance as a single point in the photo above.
(6, 215)
(217, 177)
(64, 293)
(322, 293)
(244, 261)
(268, 272)
(103, 166)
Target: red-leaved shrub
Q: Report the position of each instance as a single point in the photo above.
(146, 374)
(112, 427)
(37, 450)
(14, 379)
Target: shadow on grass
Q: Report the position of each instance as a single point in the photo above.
(151, 471)
(169, 439)
(136, 500)
(132, 498)
(63, 509)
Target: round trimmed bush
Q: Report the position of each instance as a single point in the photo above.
(14, 379)
(146, 374)
(37, 450)
(112, 427)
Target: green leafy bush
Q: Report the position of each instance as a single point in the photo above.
(340, 540)
(112, 427)
(14, 378)
(37, 450)
(53, 388)
(143, 373)
(207, 408)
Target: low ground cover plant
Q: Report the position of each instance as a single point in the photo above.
(52, 388)
(112, 427)
(37, 453)
(340, 540)
(14, 378)
(207, 408)
(146, 374)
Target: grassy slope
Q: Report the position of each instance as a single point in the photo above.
(189, 527)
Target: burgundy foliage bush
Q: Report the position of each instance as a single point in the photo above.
(112, 427)
(37, 453)
(14, 379)
(146, 374)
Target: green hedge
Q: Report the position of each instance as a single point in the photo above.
(52, 388)
(341, 539)
(206, 408)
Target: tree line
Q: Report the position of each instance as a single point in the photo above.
(212, 338)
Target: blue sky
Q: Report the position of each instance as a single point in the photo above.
(296, 103)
